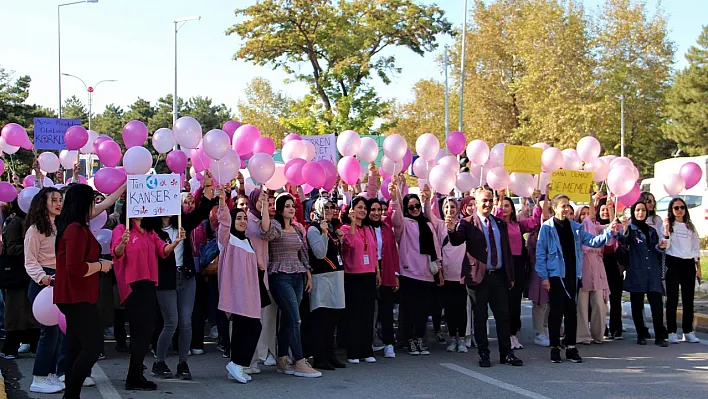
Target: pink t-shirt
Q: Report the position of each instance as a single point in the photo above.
(138, 261)
(359, 250)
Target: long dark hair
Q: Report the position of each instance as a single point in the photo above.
(38, 214)
(344, 214)
(686, 217)
(280, 202)
(643, 197)
(512, 215)
(78, 204)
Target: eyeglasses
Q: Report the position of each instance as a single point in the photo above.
(679, 207)
(414, 207)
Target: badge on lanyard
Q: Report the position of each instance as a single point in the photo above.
(366, 259)
(339, 259)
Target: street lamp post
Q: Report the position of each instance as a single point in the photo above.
(622, 125)
(59, 40)
(462, 65)
(179, 22)
(89, 90)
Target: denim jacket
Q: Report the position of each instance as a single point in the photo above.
(549, 254)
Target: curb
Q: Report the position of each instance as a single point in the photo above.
(700, 320)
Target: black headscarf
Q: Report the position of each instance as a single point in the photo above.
(241, 235)
(641, 224)
(600, 220)
(427, 243)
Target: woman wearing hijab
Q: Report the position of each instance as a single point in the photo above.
(420, 264)
(259, 204)
(644, 273)
(604, 214)
(327, 296)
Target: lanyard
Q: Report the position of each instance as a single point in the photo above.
(362, 235)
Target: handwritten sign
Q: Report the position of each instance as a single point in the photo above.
(325, 147)
(576, 185)
(49, 132)
(522, 159)
(153, 195)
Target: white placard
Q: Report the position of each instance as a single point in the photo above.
(325, 147)
(153, 195)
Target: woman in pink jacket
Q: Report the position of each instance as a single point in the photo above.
(419, 251)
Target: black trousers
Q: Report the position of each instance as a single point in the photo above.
(516, 294)
(416, 301)
(563, 310)
(360, 296)
(436, 307)
(616, 281)
(119, 332)
(454, 297)
(13, 339)
(492, 292)
(141, 306)
(680, 272)
(84, 334)
(636, 299)
(244, 335)
(387, 298)
(307, 332)
(323, 322)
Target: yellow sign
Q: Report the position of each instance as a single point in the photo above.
(576, 185)
(522, 159)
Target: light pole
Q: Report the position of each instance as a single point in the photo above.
(179, 22)
(59, 40)
(447, 103)
(622, 125)
(89, 90)
(462, 64)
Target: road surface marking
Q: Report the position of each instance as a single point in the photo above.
(103, 383)
(494, 381)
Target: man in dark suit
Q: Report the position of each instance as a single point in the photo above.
(488, 272)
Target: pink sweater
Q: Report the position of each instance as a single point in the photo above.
(452, 256)
(39, 253)
(413, 264)
(518, 229)
(355, 247)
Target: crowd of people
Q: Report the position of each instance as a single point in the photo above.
(285, 279)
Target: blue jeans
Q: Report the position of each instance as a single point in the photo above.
(287, 293)
(50, 340)
(176, 307)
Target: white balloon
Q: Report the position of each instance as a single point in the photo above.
(68, 159)
(49, 161)
(294, 149)
(7, 148)
(137, 160)
(348, 143)
(451, 162)
(187, 132)
(163, 140)
(368, 150)
(216, 143)
(465, 182)
(421, 168)
(310, 150)
(88, 147)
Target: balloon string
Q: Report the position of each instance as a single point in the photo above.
(481, 175)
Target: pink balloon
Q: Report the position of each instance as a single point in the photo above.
(394, 147)
(542, 146)
(331, 172)
(97, 142)
(44, 309)
(674, 184)
(230, 127)
(28, 181)
(61, 321)
(691, 173)
(108, 180)
(552, 159)
(588, 148)
(427, 146)
(390, 167)
(294, 149)
(200, 160)
(384, 174)
(2, 167)
(242, 165)
(498, 178)
(407, 159)
(620, 180)
(82, 180)
(109, 153)
(621, 161)
(216, 143)
(278, 180)
(306, 188)
(521, 184)
(478, 152)
(7, 192)
(348, 143)
(465, 182)
(122, 170)
(384, 189)
(293, 171)
(75, 137)
(225, 169)
(135, 133)
(349, 169)
(314, 174)
(599, 168)
(571, 160)
(187, 132)
(291, 137)
(632, 196)
(450, 162)
(442, 179)
(456, 143)
(264, 144)
(244, 139)
(176, 161)
(420, 168)
(16, 135)
(261, 167)
(99, 221)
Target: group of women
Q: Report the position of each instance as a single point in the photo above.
(331, 280)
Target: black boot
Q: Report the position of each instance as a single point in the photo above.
(322, 364)
(136, 381)
(332, 359)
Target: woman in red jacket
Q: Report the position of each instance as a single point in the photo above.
(76, 286)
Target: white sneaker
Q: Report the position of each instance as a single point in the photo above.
(253, 369)
(370, 359)
(353, 361)
(44, 385)
(270, 361)
(55, 380)
(89, 382)
(196, 352)
(24, 348)
(461, 347)
(541, 340)
(673, 338)
(468, 341)
(691, 337)
(236, 372)
(452, 345)
(389, 353)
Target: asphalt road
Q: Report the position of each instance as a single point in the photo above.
(619, 369)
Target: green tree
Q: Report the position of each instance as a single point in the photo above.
(140, 110)
(110, 122)
(337, 47)
(687, 101)
(266, 108)
(162, 116)
(74, 109)
(210, 116)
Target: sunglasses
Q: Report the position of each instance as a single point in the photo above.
(679, 208)
(414, 207)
